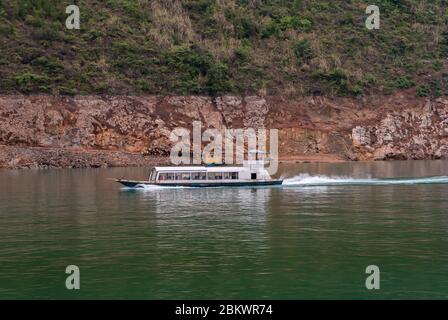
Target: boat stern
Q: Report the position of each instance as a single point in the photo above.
(128, 183)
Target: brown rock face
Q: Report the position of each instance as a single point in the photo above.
(407, 134)
(392, 127)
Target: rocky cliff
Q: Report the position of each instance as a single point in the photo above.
(419, 133)
(84, 131)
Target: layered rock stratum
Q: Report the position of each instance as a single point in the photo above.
(41, 131)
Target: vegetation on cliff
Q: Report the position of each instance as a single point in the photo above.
(288, 47)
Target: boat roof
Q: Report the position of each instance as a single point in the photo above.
(200, 168)
(255, 151)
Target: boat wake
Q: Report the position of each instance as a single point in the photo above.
(150, 187)
(307, 180)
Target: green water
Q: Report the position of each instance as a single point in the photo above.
(312, 238)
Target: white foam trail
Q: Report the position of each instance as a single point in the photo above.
(307, 180)
(150, 187)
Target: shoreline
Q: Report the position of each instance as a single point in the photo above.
(23, 158)
(20, 157)
(314, 158)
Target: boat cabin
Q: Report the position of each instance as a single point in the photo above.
(252, 170)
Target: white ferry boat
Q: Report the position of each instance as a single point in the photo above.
(252, 173)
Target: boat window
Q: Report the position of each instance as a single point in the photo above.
(186, 176)
(215, 175)
(166, 176)
(180, 176)
(230, 175)
(170, 176)
(198, 176)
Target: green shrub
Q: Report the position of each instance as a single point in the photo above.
(287, 22)
(243, 25)
(198, 6)
(427, 17)
(49, 65)
(444, 44)
(437, 66)
(47, 34)
(404, 83)
(28, 81)
(444, 81)
(218, 79)
(356, 90)
(369, 79)
(242, 53)
(338, 82)
(6, 29)
(190, 60)
(303, 51)
(337, 77)
(423, 91)
(435, 87)
(67, 91)
(269, 30)
(34, 21)
(144, 85)
(347, 19)
(275, 27)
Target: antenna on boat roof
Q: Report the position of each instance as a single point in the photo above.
(255, 151)
(263, 154)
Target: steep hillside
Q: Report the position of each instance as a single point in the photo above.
(208, 47)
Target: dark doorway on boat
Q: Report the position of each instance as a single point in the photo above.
(253, 176)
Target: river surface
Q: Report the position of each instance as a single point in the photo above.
(309, 239)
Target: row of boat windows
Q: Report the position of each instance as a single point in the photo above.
(198, 176)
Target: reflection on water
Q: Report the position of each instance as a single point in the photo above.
(298, 241)
(230, 200)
